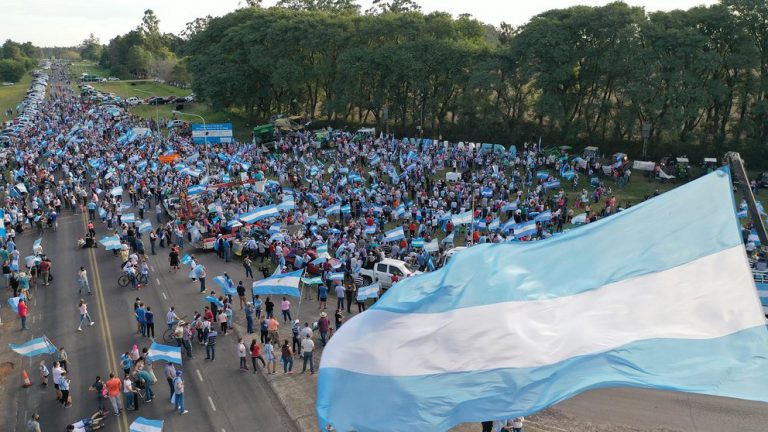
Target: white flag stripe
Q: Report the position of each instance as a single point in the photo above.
(23, 350)
(698, 295)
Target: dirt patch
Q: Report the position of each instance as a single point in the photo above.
(6, 368)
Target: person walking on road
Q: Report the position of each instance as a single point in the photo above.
(307, 346)
(33, 425)
(82, 281)
(273, 327)
(241, 294)
(83, 308)
(256, 355)
(249, 311)
(64, 389)
(45, 271)
(149, 320)
(170, 375)
(23, 314)
(269, 349)
(61, 356)
(100, 389)
(323, 325)
(210, 345)
(113, 393)
(242, 353)
(247, 266)
(178, 392)
(285, 308)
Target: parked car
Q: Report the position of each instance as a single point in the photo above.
(113, 79)
(383, 271)
(133, 101)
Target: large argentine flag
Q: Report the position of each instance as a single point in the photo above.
(171, 354)
(462, 218)
(142, 424)
(34, 347)
(258, 214)
(394, 235)
(281, 284)
(648, 298)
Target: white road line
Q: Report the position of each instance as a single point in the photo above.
(157, 280)
(164, 297)
(200, 376)
(212, 405)
(33, 319)
(152, 269)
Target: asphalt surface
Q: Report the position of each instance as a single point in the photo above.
(218, 395)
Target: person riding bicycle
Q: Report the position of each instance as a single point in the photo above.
(130, 271)
(92, 423)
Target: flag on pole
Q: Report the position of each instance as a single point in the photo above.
(142, 424)
(274, 228)
(683, 318)
(145, 226)
(186, 259)
(281, 284)
(317, 280)
(258, 214)
(34, 347)
(432, 246)
(214, 300)
(333, 209)
(116, 191)
(418, 242)
(171, 354)
(336, 276)
(37, 243)
(525, 229)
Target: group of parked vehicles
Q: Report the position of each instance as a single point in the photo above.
(26, 110)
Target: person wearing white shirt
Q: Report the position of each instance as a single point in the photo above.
(307, 346)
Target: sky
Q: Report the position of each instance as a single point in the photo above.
(68, 22)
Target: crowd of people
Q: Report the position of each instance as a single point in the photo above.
(336, 194)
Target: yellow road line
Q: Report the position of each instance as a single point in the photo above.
(106, 331)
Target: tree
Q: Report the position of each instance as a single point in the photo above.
(11, 70)
(91, 48)
(194, 27)
(341, 6)
(138, 60)
(393, 6)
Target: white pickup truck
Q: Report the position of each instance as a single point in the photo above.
(383, 271)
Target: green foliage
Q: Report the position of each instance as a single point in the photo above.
(11, 70)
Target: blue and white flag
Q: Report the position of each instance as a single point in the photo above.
(282, 284)
(448, 238)
(544, 216)
(333, 209)
(195, 190)
(542, 174)
(14, 303)
(142, 424)
(370, 229)
(145, 226)
(417, 242)
(214, 300)
(683, 318)
(554, 184)
(432, 246)
(462, 218)
(322, 251)
(368, 292)
(486, 192)
(336, 276)
(226, 285)
(287, 204)
(128, 218)
(171, 354)
(394, 235)
(346, 209)
(400, 210)
(186, 259)
(494, 225)
(111, 242)
(34, 347)
(317, 280)
(258, 214)
(37, 244)
(116, 191)
(274, 228)
(525, 229)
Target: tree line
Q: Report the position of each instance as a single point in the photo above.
(16, 59)
(696, 80)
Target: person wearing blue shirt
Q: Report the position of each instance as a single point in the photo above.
(149, 320)
(323, 294)
(141, 318)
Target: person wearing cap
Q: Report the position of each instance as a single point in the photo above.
(178, 394)
(307, 346)
(296, 342)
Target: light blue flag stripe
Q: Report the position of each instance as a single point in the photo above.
(225, 285)
(337, 276)
(142, 424)
(633, 234)
(214, 300)
(666, 362)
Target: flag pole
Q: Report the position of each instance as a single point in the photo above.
(301, 296)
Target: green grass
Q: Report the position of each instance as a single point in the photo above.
(10, 96)
(78, 68)
(141, 89)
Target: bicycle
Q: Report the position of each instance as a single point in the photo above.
(168, 333)
(124, 280)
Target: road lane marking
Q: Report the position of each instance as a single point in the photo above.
(102, 310)
(164, 297)
(212, 405)
(33, 319)
(157, 280)
(152, 269)
(199, 375)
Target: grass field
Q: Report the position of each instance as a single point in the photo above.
(10, 96)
